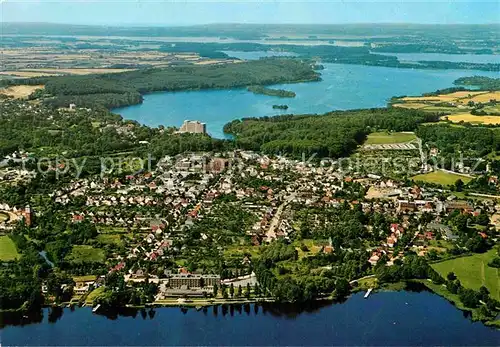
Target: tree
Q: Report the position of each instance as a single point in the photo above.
(484, 293)
(451, 276)
(468, 297)
(239, 293)
(342, 289)
(256, 290)
(224, 291)
(483, 219)
(433, 254)
(459, 185)
(215, 290)
(247, 291)
(231, 290)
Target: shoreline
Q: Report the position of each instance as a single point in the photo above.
(200, 304)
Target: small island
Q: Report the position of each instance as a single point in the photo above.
(280, 107)
(271, 92)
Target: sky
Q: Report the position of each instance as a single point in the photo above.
(172, 12)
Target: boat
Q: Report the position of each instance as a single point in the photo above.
(94, 310)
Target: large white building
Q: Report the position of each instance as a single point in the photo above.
(193, 126)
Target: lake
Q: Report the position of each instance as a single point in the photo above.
(457, 58)
(342, 87)
(385, 319)
(253, 55)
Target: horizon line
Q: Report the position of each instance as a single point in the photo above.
(246, 24)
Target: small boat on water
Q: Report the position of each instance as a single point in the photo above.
(94, 310)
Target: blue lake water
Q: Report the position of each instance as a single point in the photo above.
(457, 58)
(253, 55)
(342, 87)
(384, 319)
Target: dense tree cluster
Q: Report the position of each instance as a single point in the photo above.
(20, 281)
(457, 143)
(334, 134)
(271, 92)
(121, 89)
(481, 82)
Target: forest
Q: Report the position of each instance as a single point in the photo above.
(465, 143)
(112, 90)
(328, 53)
(271, 92)
(481, 82)
(333, 134)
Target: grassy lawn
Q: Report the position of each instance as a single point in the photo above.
(311, 246)
(81, 253)
(473, 272)
(112, 230)
(94, 294)
(110, 239)
(8, 249)
(240, 250)
(441, 177)
(388, 138)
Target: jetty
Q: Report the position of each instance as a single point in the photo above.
(368, 293)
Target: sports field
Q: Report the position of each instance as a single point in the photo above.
(473, 272)
(389, 138)
(441, 177)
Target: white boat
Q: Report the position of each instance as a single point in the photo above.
(96, 308)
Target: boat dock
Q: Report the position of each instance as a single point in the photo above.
(368, 293)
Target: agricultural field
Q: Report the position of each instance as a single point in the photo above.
(456, 105)
(389, 138)
(8, 249)
(23, 74)
(470, 118)
(20, 92)
(81, 253)
(413, 105)
(441, 177)
(473, 271)
(482, 97)
(58, 58)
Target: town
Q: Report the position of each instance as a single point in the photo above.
(195, 227)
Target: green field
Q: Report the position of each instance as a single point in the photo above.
(473, 272)
(81, 253)
(8, 249)
(388, 138)
(110, 239)
(112, 230)
(441, 177)
(94, 294)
